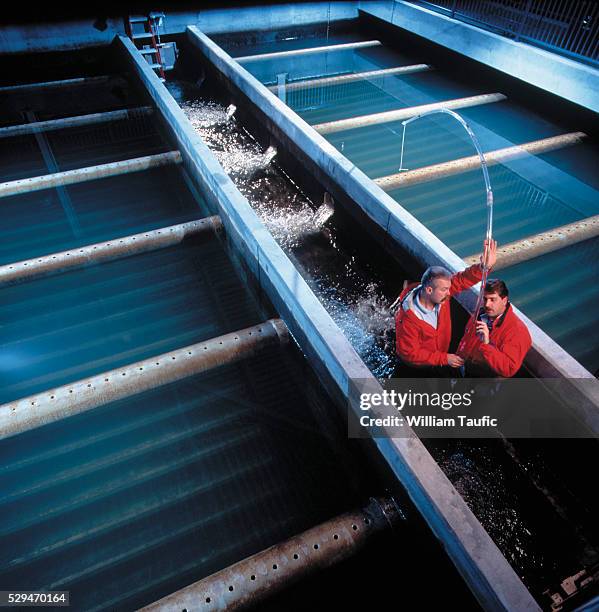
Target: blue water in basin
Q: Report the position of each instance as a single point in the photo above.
(129, 502)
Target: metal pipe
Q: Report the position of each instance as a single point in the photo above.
(249, 582)
(62, 402)
(56, 84)
(404, 113)
(343, 47)
(541, 244)
(81, 175)
(69, 122)
(355, 76)
(466, 164)
(105, 251)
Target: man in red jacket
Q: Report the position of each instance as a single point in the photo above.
(501, 341)
(423, 321)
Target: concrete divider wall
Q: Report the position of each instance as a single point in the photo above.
(33, 37)
(569, 79)
(486, 571)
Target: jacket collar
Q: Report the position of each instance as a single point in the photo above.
(506, 313)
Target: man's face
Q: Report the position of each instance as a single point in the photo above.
(494, 304)
(439, 290)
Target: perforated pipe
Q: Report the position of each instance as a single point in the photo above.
(51, 125)
(247, 583)
(466, 164)
(90, 173)
(404, 113)
(116, 248)
(543, 243)
(61, 402)
(350, 78)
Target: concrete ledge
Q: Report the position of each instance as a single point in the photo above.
(83, 33)
(574, 81)
(487, 572)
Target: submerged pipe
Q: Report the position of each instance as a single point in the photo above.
(356, 76)
(541, 244)
(404, 113)
(105, 251)
(465, 164)
(81, 175)
(249, 582)
(25, 87)
(262, 56)
(68, 400)
(70, 122)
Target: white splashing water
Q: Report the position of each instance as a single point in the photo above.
(367, 322)
(230, 111)
(206, 114)
(357, 305)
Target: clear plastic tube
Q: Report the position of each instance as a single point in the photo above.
(471, 325)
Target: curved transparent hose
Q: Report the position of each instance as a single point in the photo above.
(471, 325)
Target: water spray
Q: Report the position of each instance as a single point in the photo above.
(471, 325)
(230, 111)
(325, 211)
(267, 157)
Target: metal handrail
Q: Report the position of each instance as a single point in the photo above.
(562, 26)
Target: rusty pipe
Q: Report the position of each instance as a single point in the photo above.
(61, 402)
(91, 173)
(466, 164)
(51, 125)
(30, 87)
(106, 251)
(246, 583)
(403, 113)
(350, 78)
(307, 51)
(541, 244)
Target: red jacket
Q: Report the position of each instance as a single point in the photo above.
(509, 341)
(417, 342)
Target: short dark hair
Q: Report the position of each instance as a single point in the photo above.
(432, 273)
(495, 285)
